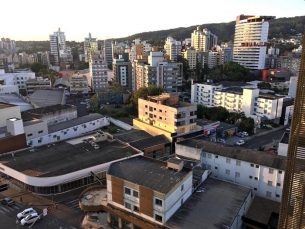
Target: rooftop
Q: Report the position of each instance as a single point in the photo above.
(147, 172)
(215, 207)
(65, 157)
(149, 142)
(44, 98)
(73, 122)
(233, 90)
(238, 153)
(132, 135)
(39, 112)
(261, 210)
(14, 100)
(32, 122)
(6, 105)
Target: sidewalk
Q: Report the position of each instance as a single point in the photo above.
(264, 132)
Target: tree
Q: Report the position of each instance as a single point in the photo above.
(246, 124)
(94, 103)
(112, 91)
(36, 67)
(143, 92)
(264, 85)
(236, 72)
(82, 65)
(110, 66)
(235, 117)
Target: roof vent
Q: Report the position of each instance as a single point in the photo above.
(175, 164)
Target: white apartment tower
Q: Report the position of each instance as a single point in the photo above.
(250, 42)
(203, 40)
(90, 46)
(57, 43)
(173, 48)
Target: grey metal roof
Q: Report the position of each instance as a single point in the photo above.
(44, 98)
(149, 142)
(147, 172)
(261, 209)
(238, 153)
(74, 122)
(216, 207)
(132, 135)
(62, 158)
(63, 81)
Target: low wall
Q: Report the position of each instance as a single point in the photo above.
(121, 124)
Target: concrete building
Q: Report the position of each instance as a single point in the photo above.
(164, 114)
(99, 73)
(18, 79)
(108, 51)
(191, 56)
(158, 72)
(249, 100)
(90, 46)
(57, 43)
(263, 172)
(43, 98)
(173, 48)
(50, 172)
(51, 114)
(8, 89)
(79, 84)
(137, 194)
(138, 48)
(203, 40)
(36, 84)
(250, 41)
(122, 71)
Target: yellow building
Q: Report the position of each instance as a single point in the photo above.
(190, 56)
(164, 114)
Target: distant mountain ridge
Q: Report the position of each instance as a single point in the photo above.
(281, 27)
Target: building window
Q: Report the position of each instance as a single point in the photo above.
(145, 106)
(252, 165)
(278, 184)
(155, 108)
(250, 177)
(209, 155)
(228, 160)
(158, 202)
(269, 183)
(160, 117)
(150, 109)
(155, 116)
(237, 174)
(182, 187)
(255, 178)
(255, 189)
(41, 131)
(54, 136)
(216, 167)
(238, 163)
(146, 113)
(29, 135)
(181, 201)
(158, 218)
(127, 191)
(160, 110)
(227, 172)
(271, 171)
(150, 115)
(280, 171)
(136, 208)
(216, 156)
(39, 141)
(136, 194)
(204, 155)
(257, 166)
(268, 194)
(128, 205)
(277, 195)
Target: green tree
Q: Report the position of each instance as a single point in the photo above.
(186, 67)
(82, 65)
(113, 90)
(143, 92)
(110, 66)
(94, 103)
(36, 67)
(236, 72)
(246, 124)
(235, 117)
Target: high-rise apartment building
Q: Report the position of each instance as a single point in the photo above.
(191, 56)
(108, 52)
(98, 71)
(172, 48)
(203, 40)
(122, 71)
(90, 46)
(57, 43)
(292, 213)
(250, 42)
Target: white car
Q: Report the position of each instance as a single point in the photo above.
(240, 142)
(83, 103)
(25, 213)
(30, 219)
(288, 129)
(244, 133)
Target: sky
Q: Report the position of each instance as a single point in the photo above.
(37, 19)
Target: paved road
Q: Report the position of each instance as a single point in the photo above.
(8, 218)
(256, 142)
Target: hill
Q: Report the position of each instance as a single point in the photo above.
(281, 27)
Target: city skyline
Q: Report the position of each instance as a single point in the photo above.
(78, 20)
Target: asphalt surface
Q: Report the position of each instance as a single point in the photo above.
(8, 218)
(256, 142)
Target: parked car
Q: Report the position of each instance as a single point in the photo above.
(245, 133)
(240, 134)
(25, 213)
(240, 142)
(221, 140)
(7, 201)
(83, 103)
(288, 129)
(31, 218)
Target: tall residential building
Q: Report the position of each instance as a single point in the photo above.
(191, 56)
(158, 72)
(79, 84)
(203, 40)
(90, 46)
(99, 73)
(108, 51)
(250, 42)
(138, 48)
(57, 43)
(122, 71)
(292, 213)
(172, 48)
